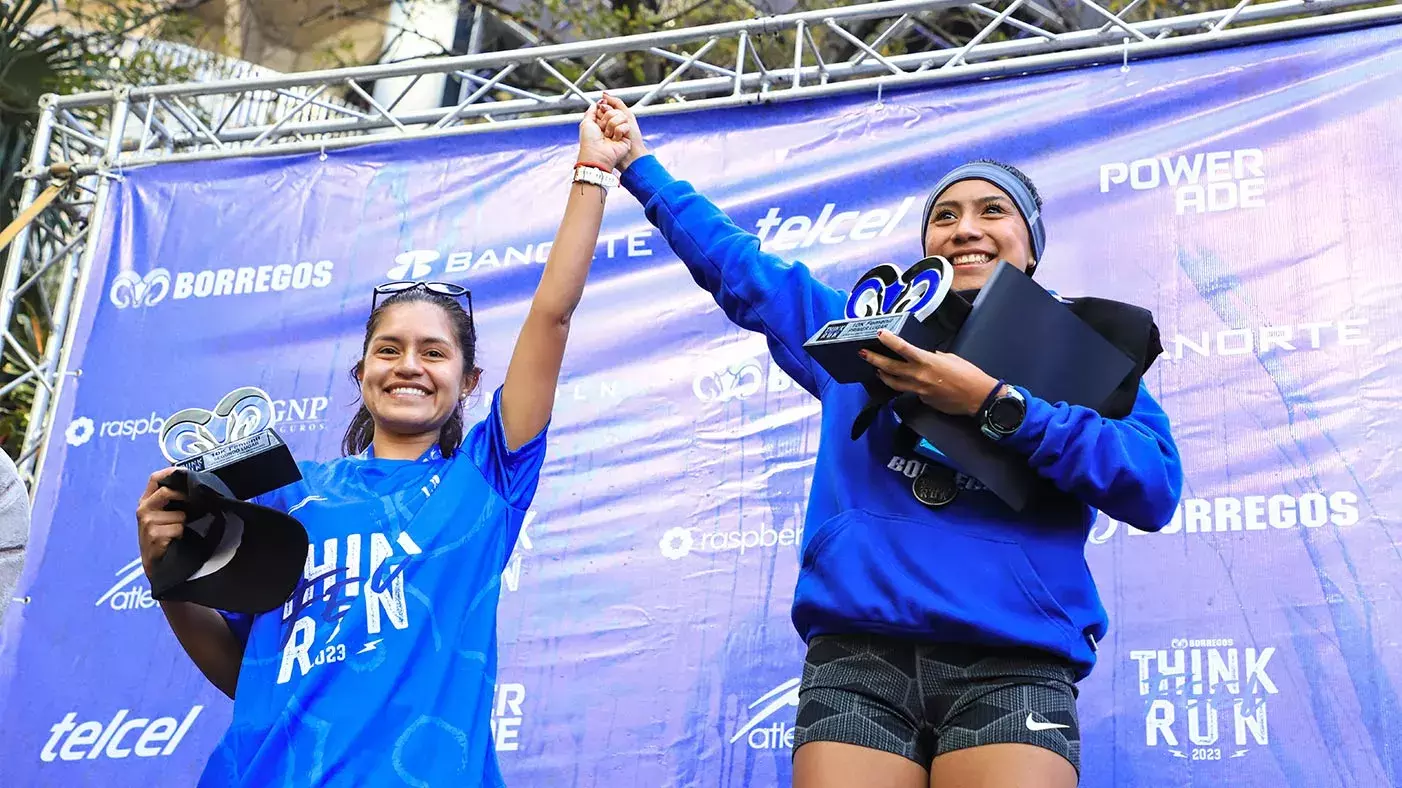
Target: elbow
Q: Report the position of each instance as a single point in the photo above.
(1147, 512)
(1156, 516)
(1158, 502)
(557, 316)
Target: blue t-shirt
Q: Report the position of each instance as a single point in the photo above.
(381, 668)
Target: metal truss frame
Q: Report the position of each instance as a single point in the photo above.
(88, 139)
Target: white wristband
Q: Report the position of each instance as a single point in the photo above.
(597, 177)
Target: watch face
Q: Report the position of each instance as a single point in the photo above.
(1006, 414)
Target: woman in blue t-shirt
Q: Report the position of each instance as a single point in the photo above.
(380, 669)
(946, 631)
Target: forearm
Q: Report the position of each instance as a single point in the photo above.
(756, 290)
(1128, 468)
(571, 254)
(208, 641)
(722, 258)
(529, 390)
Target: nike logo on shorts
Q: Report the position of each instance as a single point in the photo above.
(1034, 725)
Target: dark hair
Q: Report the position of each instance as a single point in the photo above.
(362, 428)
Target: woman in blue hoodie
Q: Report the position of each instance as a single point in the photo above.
(945, 631)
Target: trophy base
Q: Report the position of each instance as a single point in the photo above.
(251, 466)
(836, 345)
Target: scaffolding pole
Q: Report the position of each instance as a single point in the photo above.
(698, 68)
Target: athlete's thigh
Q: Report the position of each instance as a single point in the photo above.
(1002, 766)
(827, 764)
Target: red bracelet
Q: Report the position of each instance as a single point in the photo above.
(592, 165)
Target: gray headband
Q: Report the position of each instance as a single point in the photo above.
(1016, 189)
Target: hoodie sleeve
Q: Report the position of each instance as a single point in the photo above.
(1127, 468)
(756, 290)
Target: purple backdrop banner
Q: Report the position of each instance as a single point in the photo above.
(1249, 197)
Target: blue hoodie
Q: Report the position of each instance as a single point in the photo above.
(875, 559)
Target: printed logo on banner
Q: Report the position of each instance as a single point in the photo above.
(303, 414)
(414, 264)
(762, 731)
(132, 591)
(131, 291)
(829, 227)
(1252, 513)
(421, 263)
(1205, 700)
(1201, 182)
(595, 389)
(123, 736)
(508, 717)
(1319, 335)
(740, 380)
(79, 431)
(679, 542)
(727, 380)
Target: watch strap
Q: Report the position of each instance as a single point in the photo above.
(997, 389)
(586, 173)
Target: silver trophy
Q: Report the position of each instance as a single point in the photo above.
(235, 441)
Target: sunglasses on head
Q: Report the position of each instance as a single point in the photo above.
(437, 288)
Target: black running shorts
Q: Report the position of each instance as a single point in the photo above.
(921, 700)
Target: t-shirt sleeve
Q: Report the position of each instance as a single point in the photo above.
(239, 623)
(513, 474)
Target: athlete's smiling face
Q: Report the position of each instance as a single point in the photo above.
(974, 224)
(414, 373)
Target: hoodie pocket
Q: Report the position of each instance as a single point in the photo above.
(943, 581)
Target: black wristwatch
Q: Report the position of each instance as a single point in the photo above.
(1003, 415)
